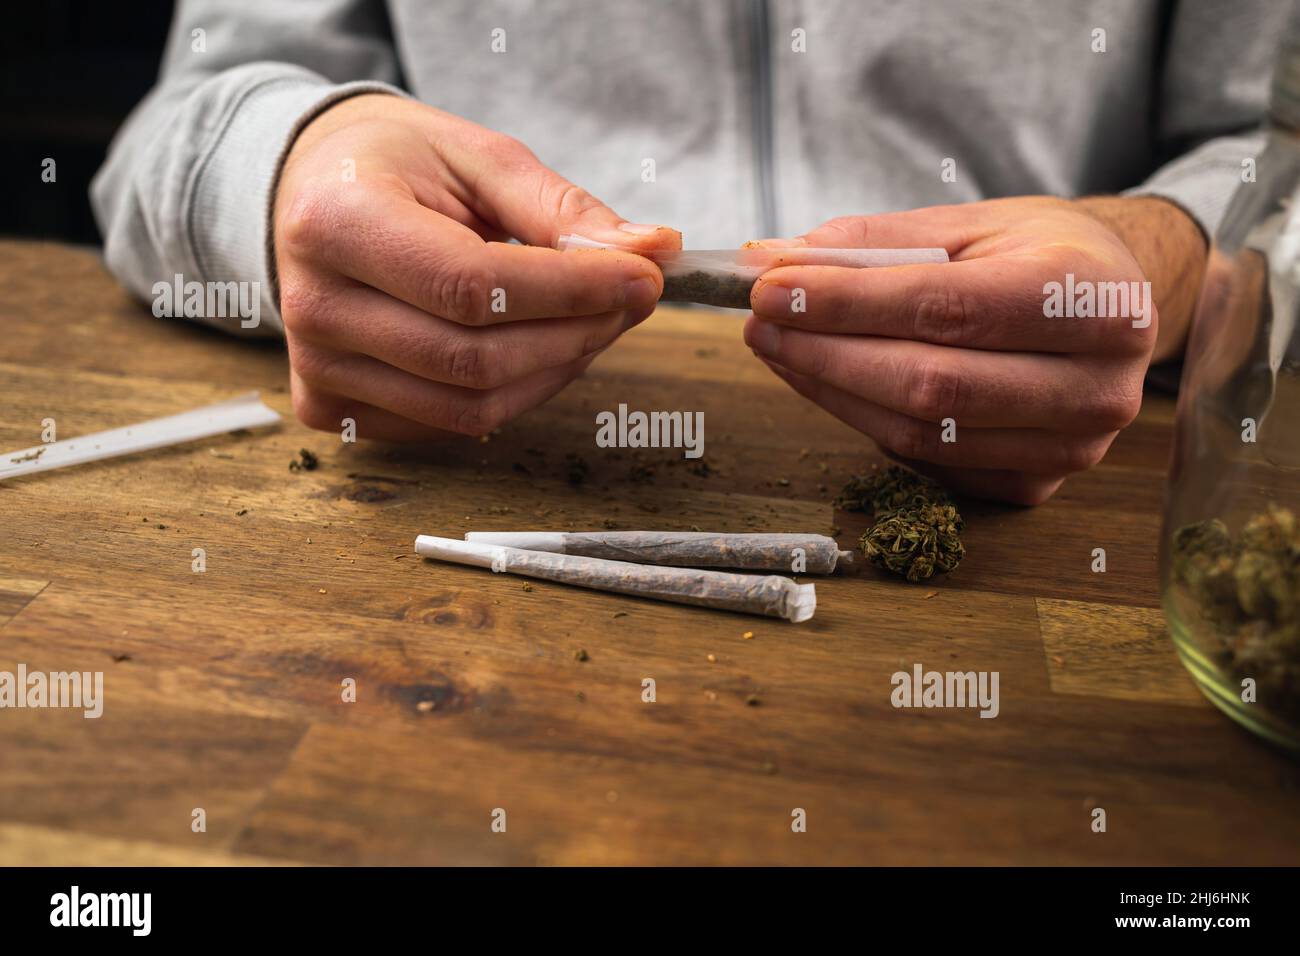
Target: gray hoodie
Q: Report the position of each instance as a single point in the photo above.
(727, 119)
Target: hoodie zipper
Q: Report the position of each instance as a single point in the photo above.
(761, 58)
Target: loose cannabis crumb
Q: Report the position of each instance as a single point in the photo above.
(30, 456)
(577, 469)
(241, 512)
(306, 461)
(528, 587)
(753, 700)
(895, 487)
(580, 655)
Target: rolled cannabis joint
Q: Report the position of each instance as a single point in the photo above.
(771, 595)
(724, 277)
(796, 553)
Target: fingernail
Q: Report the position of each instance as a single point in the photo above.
(638, 228)
(770, 298)
(764, 338)
(638, 293)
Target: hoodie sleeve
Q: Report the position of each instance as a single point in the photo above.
(1213, 98)
(189, 182)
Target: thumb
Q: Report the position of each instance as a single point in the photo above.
(536, 205)
(951, 227)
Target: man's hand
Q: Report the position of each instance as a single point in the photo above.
(405, 309)
(899, 353)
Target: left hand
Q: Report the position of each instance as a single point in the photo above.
(895, 352)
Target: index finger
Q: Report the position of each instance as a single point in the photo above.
(387, 240)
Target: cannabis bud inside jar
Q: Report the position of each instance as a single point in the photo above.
(1246, 593)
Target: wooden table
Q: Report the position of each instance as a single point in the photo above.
(223, 690)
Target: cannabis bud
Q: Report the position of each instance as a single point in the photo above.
(917, 530)
(916, 541)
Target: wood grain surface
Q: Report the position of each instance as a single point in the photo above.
(223, 690)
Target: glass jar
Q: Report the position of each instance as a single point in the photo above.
(1230, 547)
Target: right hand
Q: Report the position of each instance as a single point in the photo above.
(388, 278)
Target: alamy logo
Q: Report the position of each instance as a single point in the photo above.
(102, 909)
(209, 300)
(651, 430)
(75, 689)
(1082, 299)
(922, 688)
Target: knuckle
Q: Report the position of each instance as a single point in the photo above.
(1080, 454)
(313, 410)
(1029, 491)
(478, 416)
(941, 316)
(936, 390)
(852, 228)
(510, 151)
(571, 202)
(600, 336)
(816, 358)
(310, 224)
(312, 365)
(909, 437)
(1117, 408)
(473, 364)
(303, 307)
(461, 294)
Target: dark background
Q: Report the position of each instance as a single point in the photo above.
(70, 71)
